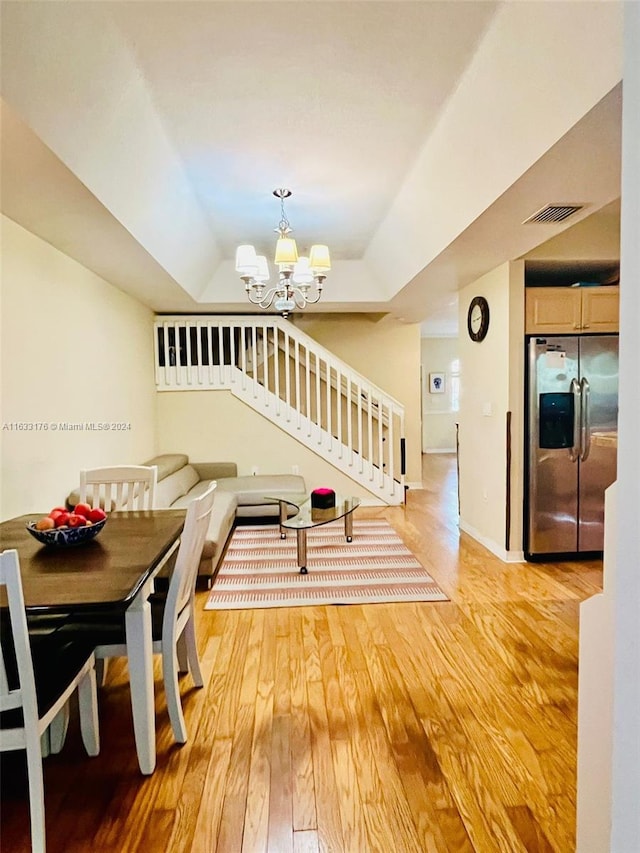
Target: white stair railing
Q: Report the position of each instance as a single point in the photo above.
(296, 383)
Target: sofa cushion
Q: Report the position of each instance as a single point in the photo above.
(194, 492)
(222, 518)
(168, 463)
(175, 486)
(215, 470)
(252, 490)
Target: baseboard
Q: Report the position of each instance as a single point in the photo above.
(439, 450)
(490, 545)
(417, 485)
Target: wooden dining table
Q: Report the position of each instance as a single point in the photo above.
(112, 573)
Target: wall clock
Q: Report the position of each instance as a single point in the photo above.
(478, 318)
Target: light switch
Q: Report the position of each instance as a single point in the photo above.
(487, 410)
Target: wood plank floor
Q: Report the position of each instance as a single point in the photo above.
(404, 727)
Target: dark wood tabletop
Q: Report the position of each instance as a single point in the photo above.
(108, 571)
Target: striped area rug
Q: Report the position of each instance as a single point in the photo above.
(260, 569)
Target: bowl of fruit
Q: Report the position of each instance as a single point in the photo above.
(63, 527)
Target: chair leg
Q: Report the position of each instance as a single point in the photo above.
(189, 635)
(58, 729)
(88, 705)
(183, 654)
(172, 692)
(36, 793)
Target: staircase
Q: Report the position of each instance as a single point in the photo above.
(287, 377)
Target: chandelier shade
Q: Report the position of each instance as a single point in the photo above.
(319, 258)
(286, 251)
(300, 278)
(246, 260)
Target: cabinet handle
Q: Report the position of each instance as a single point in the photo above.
(576, 325)
(586, 326)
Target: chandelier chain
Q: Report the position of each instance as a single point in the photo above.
(284, 226)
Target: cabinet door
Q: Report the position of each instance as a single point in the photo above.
(600, 309)
(552, 310)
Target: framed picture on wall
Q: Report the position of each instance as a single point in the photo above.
(436, 383)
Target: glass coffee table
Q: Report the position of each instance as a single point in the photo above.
(308, 517)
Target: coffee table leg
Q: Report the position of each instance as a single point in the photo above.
(302, 550)
(348, 526)
(283, 517)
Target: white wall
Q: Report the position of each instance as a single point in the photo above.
(438, 417)
(74, 350)
(625, 833)
(214, 426)
(491, 385)
(608, 813)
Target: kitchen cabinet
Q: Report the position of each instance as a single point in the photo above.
(600, 309)
(571, 310)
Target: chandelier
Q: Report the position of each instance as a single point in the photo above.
(300, 279)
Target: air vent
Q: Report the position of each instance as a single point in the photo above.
(554, 213)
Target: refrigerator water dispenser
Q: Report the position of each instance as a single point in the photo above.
(556, 421)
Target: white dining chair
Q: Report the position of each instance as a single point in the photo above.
(37, 678)
(172, 616)
(119, 487)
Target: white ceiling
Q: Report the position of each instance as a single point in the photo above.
(332, 99)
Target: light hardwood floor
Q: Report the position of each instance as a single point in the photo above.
(444, 727)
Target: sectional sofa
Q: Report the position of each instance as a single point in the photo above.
(179, 481)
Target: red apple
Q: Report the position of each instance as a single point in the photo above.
(97, 514)
(46, 523)
(58, 509)
(76, 520)
(82, 509)
(56, 512)
(61, 519)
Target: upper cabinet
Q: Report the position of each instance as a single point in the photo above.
(601, 309)
(571, 310)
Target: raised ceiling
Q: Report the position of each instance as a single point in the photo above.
(145, 139)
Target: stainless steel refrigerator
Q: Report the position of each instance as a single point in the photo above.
(572, 416)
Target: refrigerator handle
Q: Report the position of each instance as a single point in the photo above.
(585, 416)
(575, 450)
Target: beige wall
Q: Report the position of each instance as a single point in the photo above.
(492, 385)
(438, 417)
(387, 352)
(74, 350)
(214, 426)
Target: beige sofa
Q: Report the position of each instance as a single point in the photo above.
(179, 481)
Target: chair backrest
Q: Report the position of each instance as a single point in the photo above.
(127, 487)
(17, 681)
(183, 578)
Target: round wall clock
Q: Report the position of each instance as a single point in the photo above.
(478, 318)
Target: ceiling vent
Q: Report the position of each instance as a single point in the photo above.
(554, 213)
